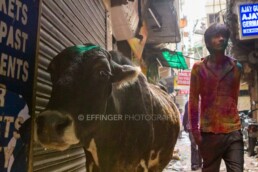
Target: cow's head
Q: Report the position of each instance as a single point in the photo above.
(82, 78)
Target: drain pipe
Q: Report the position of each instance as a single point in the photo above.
(256, 81)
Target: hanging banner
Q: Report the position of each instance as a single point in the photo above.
(137, 45)
(18, 43)
(248, 21)
(184, 77)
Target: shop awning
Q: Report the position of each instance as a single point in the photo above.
(175, 59)
(162, 22)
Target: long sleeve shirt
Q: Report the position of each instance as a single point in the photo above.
(219, 95)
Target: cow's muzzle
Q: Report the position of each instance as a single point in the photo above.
(54, 129)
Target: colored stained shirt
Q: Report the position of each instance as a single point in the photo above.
(219, 96)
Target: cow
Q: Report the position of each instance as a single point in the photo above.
(103, 102)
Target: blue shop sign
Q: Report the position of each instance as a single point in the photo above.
(18, 46)
(248, 20)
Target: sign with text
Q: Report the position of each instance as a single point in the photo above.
(18, 43)
(248, 21)
(183, 92)
(184, 78)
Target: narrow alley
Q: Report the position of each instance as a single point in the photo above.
(183, 163)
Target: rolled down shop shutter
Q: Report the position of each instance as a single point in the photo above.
(64, 23)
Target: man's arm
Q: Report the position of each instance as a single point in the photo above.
(185, 118)
(193, 107)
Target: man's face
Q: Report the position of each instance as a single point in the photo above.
(218, 42)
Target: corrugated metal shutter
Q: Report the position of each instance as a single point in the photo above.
(64, 23)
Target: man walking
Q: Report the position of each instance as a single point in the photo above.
(196, 160)
(216, 81)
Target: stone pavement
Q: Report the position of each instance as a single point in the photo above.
(183, 163)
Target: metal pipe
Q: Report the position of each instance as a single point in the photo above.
(256, 93)
(159, 62)
(256, 81)
(154, 17)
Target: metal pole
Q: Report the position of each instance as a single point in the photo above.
(256, 93)
(256, 82)
(154, 17)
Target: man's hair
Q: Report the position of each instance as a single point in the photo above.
(213, 30)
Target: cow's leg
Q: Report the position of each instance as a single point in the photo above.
(142, 167)
(90, 164)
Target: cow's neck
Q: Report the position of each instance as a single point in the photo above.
(124, 100)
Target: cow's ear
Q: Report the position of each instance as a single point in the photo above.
(52, 69)
(124, 74)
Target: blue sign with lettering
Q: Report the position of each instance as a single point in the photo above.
(248, 18)
(18, 43)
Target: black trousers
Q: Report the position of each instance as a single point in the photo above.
(229, 147)
(196, 160)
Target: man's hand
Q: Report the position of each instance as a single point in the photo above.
(197, 137)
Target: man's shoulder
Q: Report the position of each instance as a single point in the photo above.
(199, 63)
(236, 62)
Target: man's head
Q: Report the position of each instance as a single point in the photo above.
(216, 37)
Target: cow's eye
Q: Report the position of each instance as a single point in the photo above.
(105, 74)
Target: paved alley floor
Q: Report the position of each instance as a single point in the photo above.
(184, 156)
